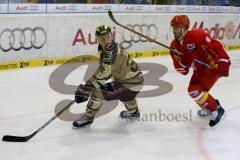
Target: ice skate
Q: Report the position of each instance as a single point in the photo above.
(128, 115)
(217, 115)
(83, 121)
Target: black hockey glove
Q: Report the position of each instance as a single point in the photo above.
(83, 92)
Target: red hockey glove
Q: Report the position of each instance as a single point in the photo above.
(223, 67)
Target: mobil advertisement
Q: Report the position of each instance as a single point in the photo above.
(226, 27)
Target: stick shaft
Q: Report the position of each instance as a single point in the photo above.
(26, 138)
(152, 40)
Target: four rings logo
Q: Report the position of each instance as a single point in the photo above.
(26, 38)
(149, 30)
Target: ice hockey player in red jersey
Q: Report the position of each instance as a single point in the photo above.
(209, 61)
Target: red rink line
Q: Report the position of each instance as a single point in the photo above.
(200, 138)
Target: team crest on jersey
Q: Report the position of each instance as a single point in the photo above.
(191, 46)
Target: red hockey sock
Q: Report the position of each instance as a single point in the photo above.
(202, 97)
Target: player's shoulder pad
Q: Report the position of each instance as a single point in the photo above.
(192, 39)
(195, 31)
(197, 34)
(109, 56)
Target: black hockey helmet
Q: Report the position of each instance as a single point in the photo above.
(102, 30)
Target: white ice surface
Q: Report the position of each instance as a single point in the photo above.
(27, 102)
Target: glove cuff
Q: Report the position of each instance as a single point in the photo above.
(224, 60)
(89, 84)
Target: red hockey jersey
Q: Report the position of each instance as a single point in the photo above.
(206, 52)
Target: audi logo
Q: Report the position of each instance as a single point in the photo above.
(149, 30)
(26, 38)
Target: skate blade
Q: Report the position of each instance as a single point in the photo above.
(128, 119)
(87, 126)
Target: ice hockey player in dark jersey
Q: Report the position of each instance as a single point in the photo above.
(209, 60)
(127, 80)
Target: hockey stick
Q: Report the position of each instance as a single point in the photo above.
(110, 14)
(148, 38)
(9, 138)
